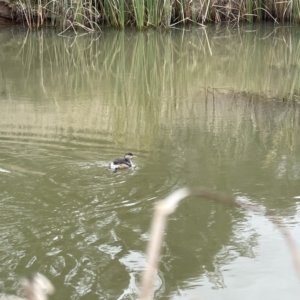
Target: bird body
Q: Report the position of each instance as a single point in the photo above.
(122, 163)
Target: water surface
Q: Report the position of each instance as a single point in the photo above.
(215, 108)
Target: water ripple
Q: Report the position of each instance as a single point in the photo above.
(59, 195)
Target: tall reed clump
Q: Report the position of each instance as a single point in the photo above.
(90, 14)
(113, 12)
(154, 11)
(139, 10)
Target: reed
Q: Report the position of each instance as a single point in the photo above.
(259, 14)
(249, 9)
(139, 9)
(151, 13)
(114, 12)
(295, 10)
(167, 13)
(121, 13)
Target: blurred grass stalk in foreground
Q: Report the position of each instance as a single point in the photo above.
(168, 206)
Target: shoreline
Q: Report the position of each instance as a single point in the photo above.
(141, 14)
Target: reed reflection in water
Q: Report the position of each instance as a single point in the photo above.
(182, 108)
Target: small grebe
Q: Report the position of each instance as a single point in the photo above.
(122, 163)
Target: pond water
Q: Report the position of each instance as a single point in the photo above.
(216, 108)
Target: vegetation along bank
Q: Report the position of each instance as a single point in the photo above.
(93, 14)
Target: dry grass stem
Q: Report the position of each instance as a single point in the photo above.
(167, 206)
(38, 288)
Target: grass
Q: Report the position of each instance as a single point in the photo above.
(91, 14)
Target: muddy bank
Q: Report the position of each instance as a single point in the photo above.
(7, 12)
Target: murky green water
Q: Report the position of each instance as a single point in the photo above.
(197, 108)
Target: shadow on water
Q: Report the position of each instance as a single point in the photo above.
(69, 107)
